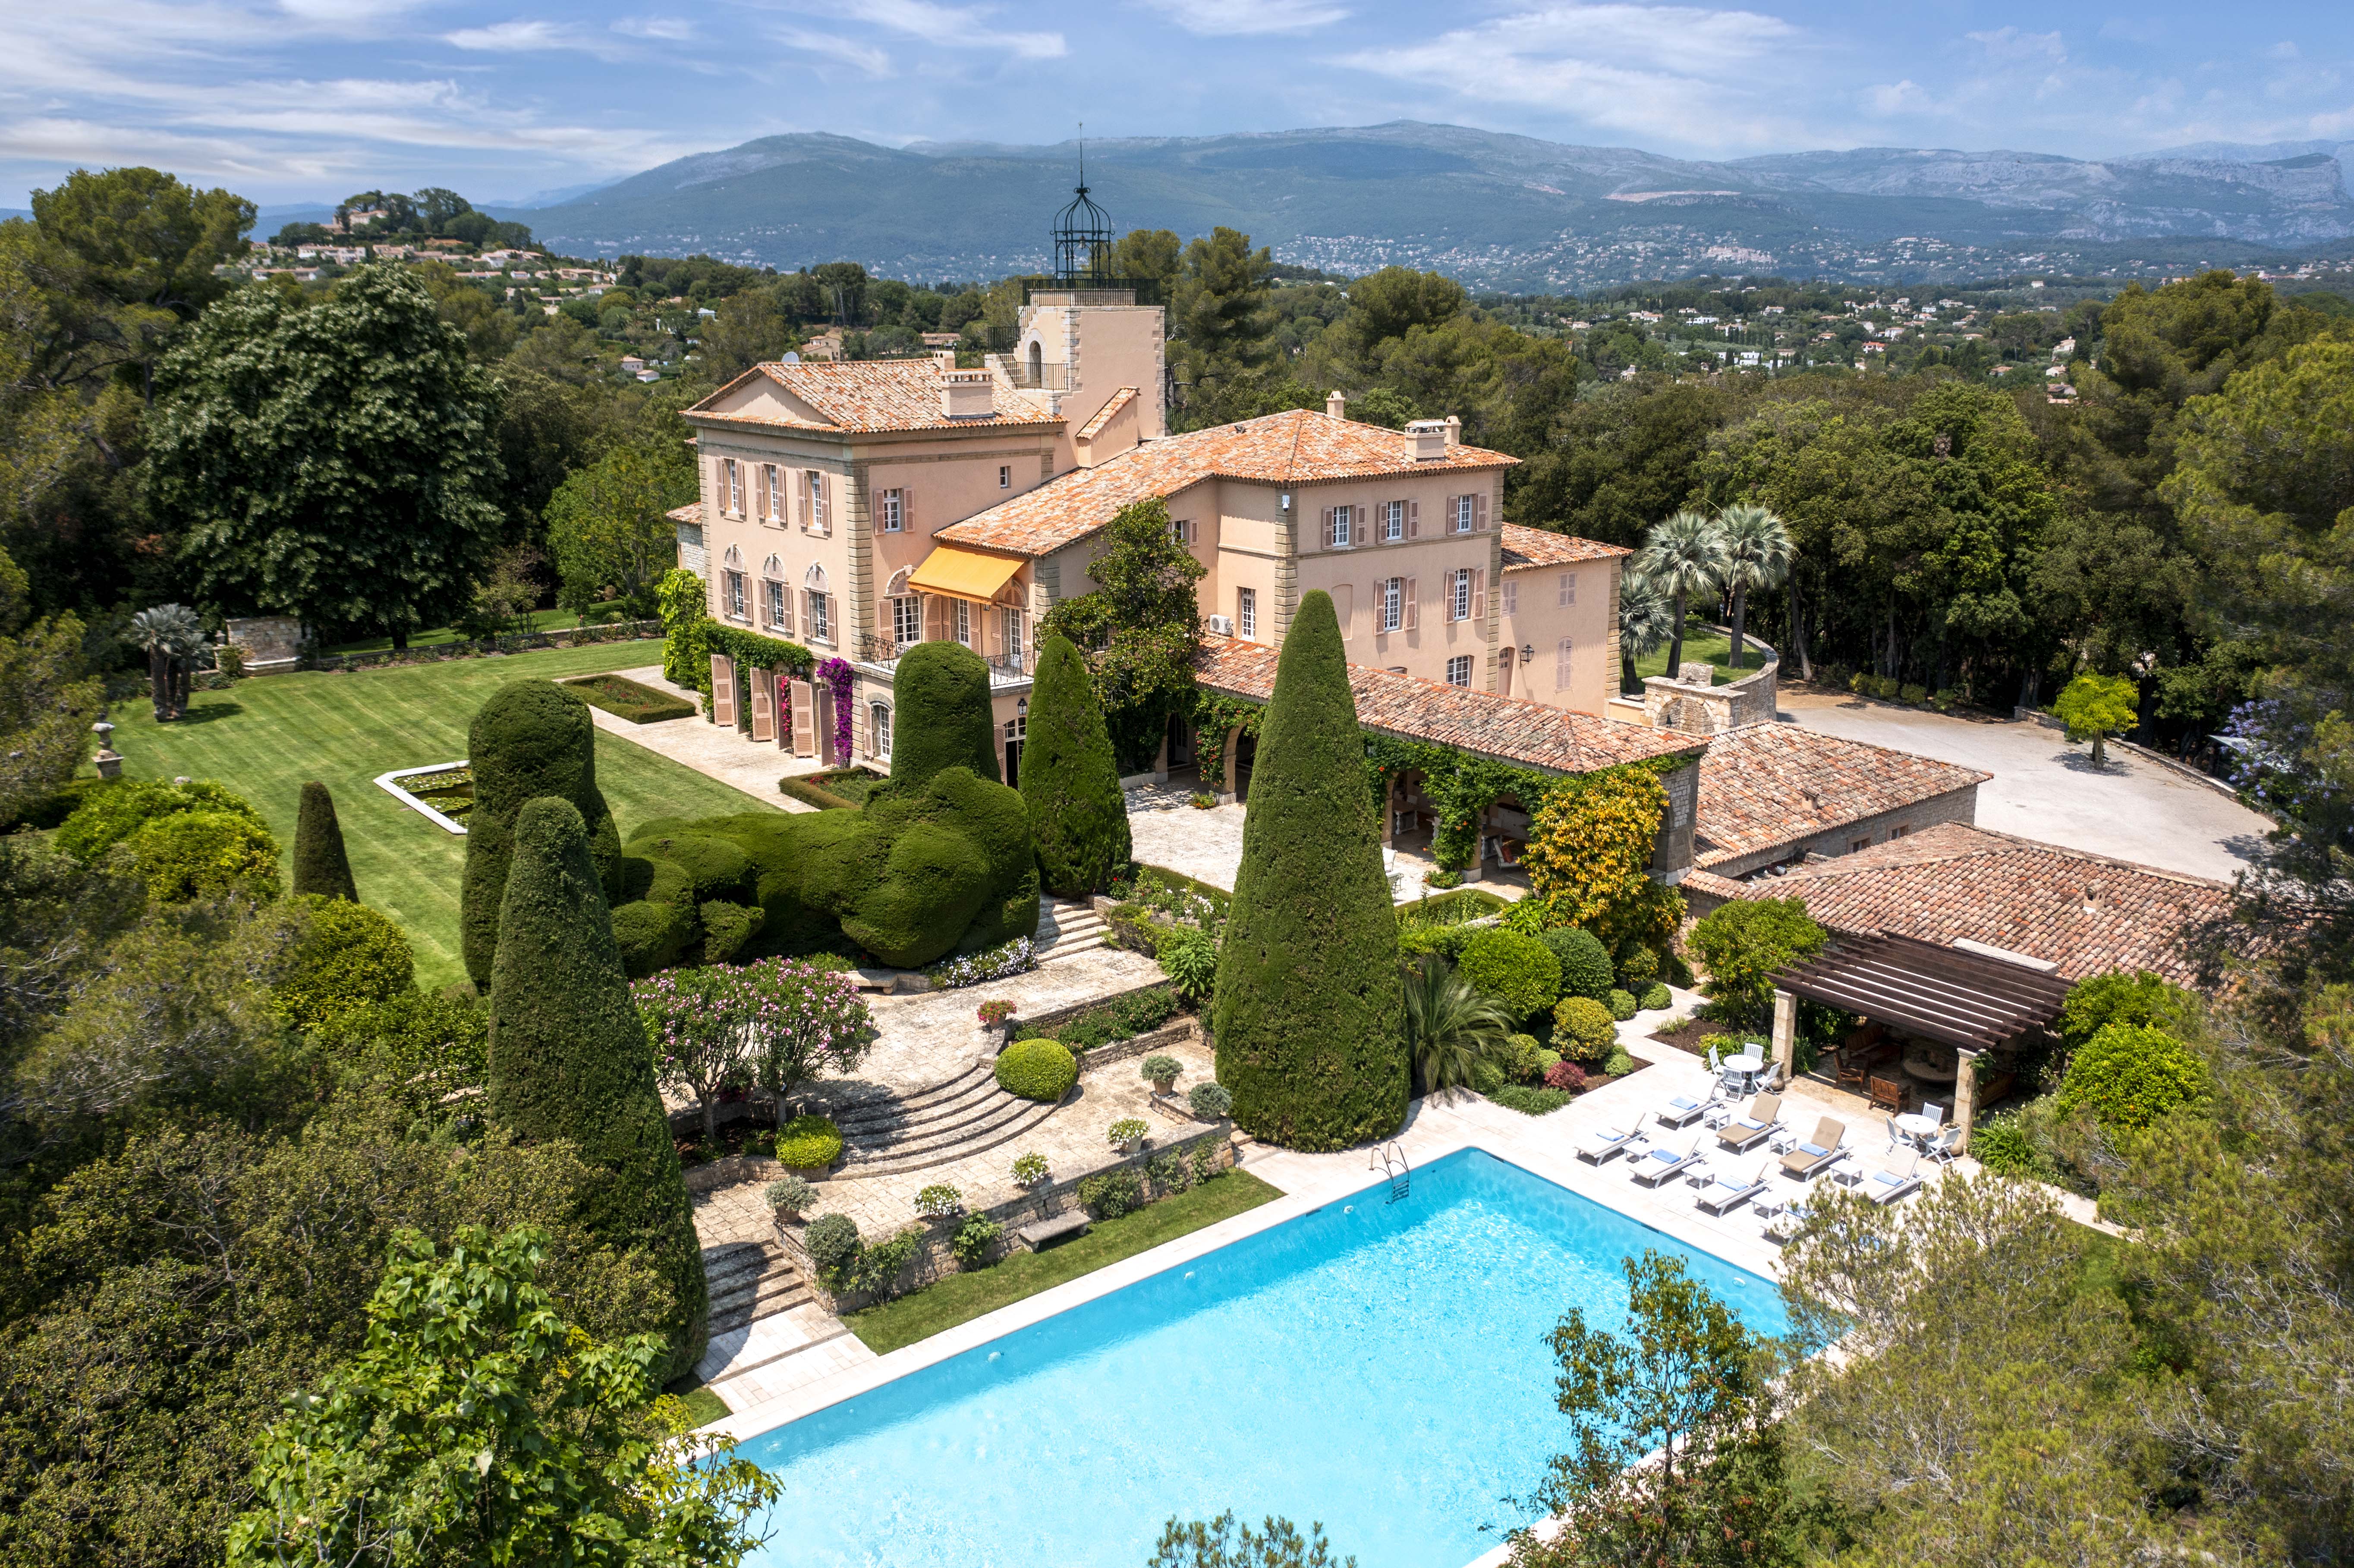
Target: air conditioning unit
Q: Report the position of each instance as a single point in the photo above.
(1224, 625)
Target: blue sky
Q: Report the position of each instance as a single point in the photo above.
(294, 100)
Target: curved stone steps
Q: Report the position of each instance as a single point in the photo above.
(967, 1141)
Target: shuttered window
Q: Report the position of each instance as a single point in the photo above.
(1568, 590)
(1562, 660)
(1459, 597)
(1511, 597)
(1392, 604)
(1458, 670)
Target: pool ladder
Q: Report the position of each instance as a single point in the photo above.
(1390, 1161)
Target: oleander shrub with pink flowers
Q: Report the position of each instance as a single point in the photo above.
(772, 1023)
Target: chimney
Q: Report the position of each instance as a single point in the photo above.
(967, 395)
(1454, 429)
(1336, 405)
(1429, 440)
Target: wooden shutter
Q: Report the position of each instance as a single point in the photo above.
(1413, 607)
(906, 510)
(723, 689)
(764, 704)
(1480, 595)
(1327, 527)
(802, 698)
(1561, 664)
(1414, 519)
(802, 491)
(823, 711)
(1480, 513)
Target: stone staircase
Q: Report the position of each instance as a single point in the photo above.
(969, 1114)
(1067, 928)
(748, 1281)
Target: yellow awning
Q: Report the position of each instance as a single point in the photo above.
(964, 574)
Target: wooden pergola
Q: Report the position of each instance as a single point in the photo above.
(1968, 1001)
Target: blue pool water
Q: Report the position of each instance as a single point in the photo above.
(1381, 1367)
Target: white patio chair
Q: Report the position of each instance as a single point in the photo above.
(1934, 1113)
(1944, 1146)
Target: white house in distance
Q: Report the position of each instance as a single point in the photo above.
(862, 507)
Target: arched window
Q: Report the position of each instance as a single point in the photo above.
(774, 566)
(878, 731)
(814, 578)
(907, 609)
(897, 584)
(1037, 364)
(733, 559)
(776, 604)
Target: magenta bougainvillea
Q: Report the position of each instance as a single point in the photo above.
(837, 673)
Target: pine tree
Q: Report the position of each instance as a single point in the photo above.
(1070, 782)
(1310, 1008)
(320, 866)
(532, 738)
(570, 1060)
(940, 715)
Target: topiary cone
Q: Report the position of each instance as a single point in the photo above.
(1310, 1010)
(1070, 781)
(568, 1060)
(320, 866)
(532, 738)
(940, 715)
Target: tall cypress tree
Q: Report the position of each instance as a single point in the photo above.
(1070, 781)
(320, 866)
(532, 738)
(568, 1059)
(1310, 1010)
(940, 715)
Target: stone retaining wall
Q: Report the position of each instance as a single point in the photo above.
(934, 1261)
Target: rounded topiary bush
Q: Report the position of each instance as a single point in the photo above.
(808, 1143)
(1585, 964)
(1658, 997)
(1546, 1061)
(203, 855)
(651, 936)
(1622, 1006)
(113, 813)
(1209, 1101)
(1487, 1077)
(1638, 966)
(1566, 1077)
(941, 716)
(1518, 1057)
(833, 1245)
(1041, 1070)
(349, 956)
(2130, 1074)
(1582, 1029)
(1521, 970)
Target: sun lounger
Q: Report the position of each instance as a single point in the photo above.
(1893, 1180)
(1683, 1110)
(1754, 1126)
(1818, 1153)
(1601, 1145)
(1732, 1187)
(1656, 1164)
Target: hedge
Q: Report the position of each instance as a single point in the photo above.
(816, 795)
(1041, 1070)
(1585, 963)
(348, 956)
(568, 1058)
(1070, 782)
(628, 699)
(111, 813)
(1521, 970)
(1310, 1008)
(940, 715)
(530, 740)
(321, 864)
(808, 1143)
(190, 855)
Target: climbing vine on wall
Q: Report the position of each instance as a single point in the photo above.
(838, 674)
(1589, 859)
(1462, 786)
(1216, 718)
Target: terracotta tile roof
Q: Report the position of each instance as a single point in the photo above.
(1297, 447)
(1766, 787)
(690, 512)
(867, 395)
(1108, 412)
(1510, 729)
(2085, 913)
(1528, 547)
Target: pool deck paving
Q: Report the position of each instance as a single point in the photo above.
(1436, 1127)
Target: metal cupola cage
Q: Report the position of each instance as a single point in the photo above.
(1083, 237)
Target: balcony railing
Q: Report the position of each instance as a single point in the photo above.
(1050, 377)
(882, 654)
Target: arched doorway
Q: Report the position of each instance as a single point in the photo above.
(1245, 755)
(1037, 365)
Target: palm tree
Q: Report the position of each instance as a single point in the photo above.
(1757, 555)
(1645, 618)
(171, 635)
(1451, 1025)
(1684, 556)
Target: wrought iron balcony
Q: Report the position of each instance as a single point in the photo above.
(881, 655)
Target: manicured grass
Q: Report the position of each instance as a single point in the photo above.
(541, 620)
(703, 1406)
(264, 737)
(961, 1297)
(1704, 647)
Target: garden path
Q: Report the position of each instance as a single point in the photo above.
(753, 766)
(1168, 831)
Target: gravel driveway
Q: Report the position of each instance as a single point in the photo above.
(2045, 788)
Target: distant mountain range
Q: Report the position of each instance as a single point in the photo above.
(1494, 211)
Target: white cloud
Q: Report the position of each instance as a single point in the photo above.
(1906, 96)
(2008, 45)
(849, 51)
(663, 30)
(509, 37)
(1238, 18)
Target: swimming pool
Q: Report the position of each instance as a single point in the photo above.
(1378, 1366)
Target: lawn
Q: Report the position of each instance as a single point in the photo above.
(961, 1298)
(1704, 647)
(541, 620)
(264, 737)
